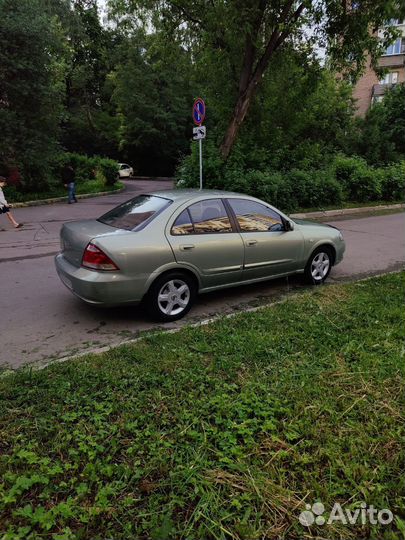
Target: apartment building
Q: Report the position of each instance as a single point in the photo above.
(371, 88)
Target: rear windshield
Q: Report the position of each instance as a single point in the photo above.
(136, 213)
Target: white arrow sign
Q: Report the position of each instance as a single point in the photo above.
(199, 133)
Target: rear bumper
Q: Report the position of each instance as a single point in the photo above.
(102, 288)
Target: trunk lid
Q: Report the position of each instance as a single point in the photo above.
(75, 236)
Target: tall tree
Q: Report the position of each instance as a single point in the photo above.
(31, 87)
(153, 97)
(252, 31)
(383, 129)
(90, 124)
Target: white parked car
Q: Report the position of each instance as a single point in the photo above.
(125, 170)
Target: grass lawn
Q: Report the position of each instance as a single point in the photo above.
(218, 432)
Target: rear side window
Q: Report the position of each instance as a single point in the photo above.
(136, 213)
(183, 224)
(203, 217)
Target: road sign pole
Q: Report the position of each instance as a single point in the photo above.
(201, 182)
(199, 131)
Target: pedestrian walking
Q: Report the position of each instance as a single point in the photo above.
(69, 181)
(5, 207)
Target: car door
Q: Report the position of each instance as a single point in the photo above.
(269, 248)
(202, 236)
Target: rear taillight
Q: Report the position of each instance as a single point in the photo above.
(96, 259)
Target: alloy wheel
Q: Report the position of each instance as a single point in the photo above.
(174, 297)
(320, 266)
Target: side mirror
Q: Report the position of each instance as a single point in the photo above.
(289, 225)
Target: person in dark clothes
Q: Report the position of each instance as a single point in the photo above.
(68, 178)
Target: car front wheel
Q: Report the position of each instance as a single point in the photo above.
(170, 297)
(318, 266)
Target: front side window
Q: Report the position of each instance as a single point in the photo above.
(255, 217)
(203, 217)
(134, 214)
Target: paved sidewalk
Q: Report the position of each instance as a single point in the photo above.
(40, 235)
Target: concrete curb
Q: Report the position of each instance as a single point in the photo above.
(348, 211)
(42, 202)
(150, 178)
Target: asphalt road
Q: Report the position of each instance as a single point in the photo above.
(41, 319)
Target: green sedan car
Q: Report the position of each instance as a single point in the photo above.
(164, 247)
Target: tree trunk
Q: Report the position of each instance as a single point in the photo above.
(240, 111)
(249, 81)
(247, 90)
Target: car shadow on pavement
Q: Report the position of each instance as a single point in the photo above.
(207, 305)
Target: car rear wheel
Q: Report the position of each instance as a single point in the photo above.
(318, 266)
(170, 297)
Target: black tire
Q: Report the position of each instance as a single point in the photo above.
(319, 265)
(180, 290)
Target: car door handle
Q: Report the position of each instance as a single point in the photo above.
(251, 242)
(186, 247)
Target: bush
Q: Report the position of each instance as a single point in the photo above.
(188, 172)
(359, 181)
(266, 185)
(346, 179)
(329, 189)
(88, 168)
(308, 189)
(393, 182)
(108, 168)
(365, 185)
(288, 191)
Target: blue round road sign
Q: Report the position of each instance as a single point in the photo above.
(199, 111)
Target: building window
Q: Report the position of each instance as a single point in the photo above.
(395, 48)
(395, 22)
(377, 99)
(390, 78)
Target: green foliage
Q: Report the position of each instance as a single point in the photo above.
(393, 182)
(31, 82)
(108, 169)
(344, 179)
(287, 150)
(218, 431)
(153, 97)
(234, 44)
(87, 168)
(90, 122)
(359, 181)
(92, 174)
(72, 84)
(382, 137)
